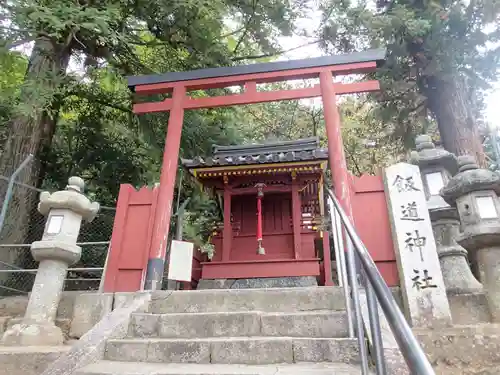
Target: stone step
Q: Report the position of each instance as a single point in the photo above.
(270, 300)
(234, 350)
(137, 368)
(246, 323)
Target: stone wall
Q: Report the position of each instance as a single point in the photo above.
(463, 349)
(28, 360)
(12, 310)
(466, 309)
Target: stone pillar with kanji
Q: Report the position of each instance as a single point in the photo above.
(437, 166)
(56, 251)
(475, 192)
(424, 293)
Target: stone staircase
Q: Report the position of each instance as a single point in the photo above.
(242, 331)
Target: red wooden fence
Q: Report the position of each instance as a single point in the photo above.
(128, 252)
(371, 219)
(131, 240)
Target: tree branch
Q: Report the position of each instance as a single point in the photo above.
(232, 33)
(351, 156)
(278, 53)
(95, 99)
(247, 25)
(18, 43)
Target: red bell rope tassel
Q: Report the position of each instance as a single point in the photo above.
(260, 195)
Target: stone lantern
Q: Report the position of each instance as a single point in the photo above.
(437, 166)
(475, 193)
(56, 251)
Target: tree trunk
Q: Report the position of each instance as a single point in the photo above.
(33, 126)
(458, 130)
(30, 132)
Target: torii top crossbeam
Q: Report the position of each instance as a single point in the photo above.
(178, 84)
(250, 75)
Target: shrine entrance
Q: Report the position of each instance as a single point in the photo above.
(178, 85)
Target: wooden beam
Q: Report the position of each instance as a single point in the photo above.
(151, 107)
(267, 189)
(264, 268)
(253, 97)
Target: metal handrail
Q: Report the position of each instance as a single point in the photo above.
(407, 342)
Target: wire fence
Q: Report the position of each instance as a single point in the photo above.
(23, 224)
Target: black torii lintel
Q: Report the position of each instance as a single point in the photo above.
(376, 55)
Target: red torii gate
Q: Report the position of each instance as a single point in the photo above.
(180, 83)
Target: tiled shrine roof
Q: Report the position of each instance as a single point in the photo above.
(272, 152)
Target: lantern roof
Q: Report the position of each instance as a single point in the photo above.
(470, 178)
(307, 149)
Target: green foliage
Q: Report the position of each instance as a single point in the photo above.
(492, 150)
(202, 218)
(95, 134)
(441, 56)
(12, 68)
(368, 140)
(79, 121)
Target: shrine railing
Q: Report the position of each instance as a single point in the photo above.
(357, 266)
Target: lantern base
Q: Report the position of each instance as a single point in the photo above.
(33, 334)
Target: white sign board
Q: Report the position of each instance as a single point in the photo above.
(420, 275)
(180, 265)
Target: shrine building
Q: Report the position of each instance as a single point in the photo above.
(272, 200)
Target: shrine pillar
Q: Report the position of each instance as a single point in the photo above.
(161, 225)
(338, 165)
(296, 216)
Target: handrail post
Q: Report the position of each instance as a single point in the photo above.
(378, 345)
(339, 251)
(336, 244)
(353, 281)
